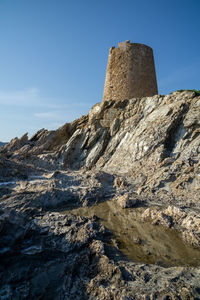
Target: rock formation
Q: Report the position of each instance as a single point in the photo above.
(141, 156)
(2, 144)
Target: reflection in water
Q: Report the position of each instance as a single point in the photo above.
(141, 241)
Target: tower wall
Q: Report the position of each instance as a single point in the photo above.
(130, 72)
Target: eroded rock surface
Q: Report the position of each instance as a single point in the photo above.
(137, 153)
(56, 256)
(187, 223)
(155, 140)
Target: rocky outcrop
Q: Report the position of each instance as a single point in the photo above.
(173, 217)
(10, 169)
(141, 154)
(153, 140)
(56, 256)
(15, 144)
(63, 245)
(57, 189)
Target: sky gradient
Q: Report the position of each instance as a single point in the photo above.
(53, 54)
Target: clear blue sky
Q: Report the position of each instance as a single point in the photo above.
(53, 54)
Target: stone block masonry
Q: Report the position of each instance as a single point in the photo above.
(130, 72)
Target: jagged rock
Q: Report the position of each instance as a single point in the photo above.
(15, 144)
(119, 182)
(2, 144)
(10, 169)
(97, 150)
(133, 152)
(152, 139)
(58, 189)
(187, 224)
(125, 201)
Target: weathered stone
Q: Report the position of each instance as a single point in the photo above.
(15, 144)
(119, 182)
(114, 127)
(126, 202)
(187, 224)
(130, 72)
(97, 150)
(139, 152)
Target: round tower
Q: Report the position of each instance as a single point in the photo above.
(130, 72)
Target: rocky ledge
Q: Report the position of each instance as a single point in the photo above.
(139, 155)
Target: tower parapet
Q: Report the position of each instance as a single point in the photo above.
(130, 72)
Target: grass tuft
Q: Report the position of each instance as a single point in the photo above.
(196, 91)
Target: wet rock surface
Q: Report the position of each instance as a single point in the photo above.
(106, 207)
(42, 258)
(138, 239)
(62, 256)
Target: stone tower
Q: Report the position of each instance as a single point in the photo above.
(130, 72)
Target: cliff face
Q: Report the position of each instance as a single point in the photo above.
(142, 153)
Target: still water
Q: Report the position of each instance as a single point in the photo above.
(141, 241)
